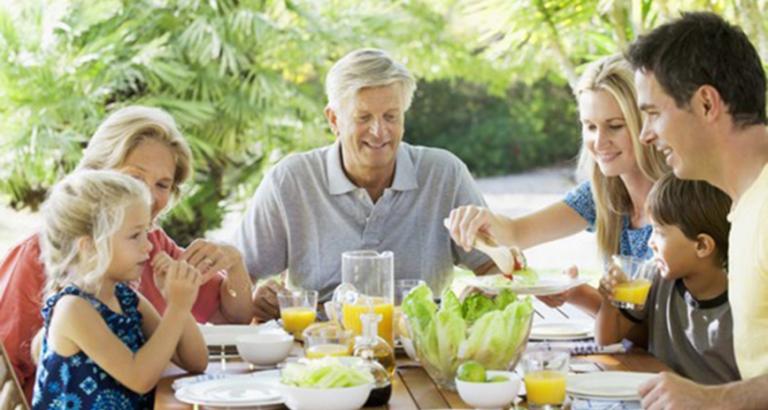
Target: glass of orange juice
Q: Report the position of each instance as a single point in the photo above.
(298, 309)
(632, 291)
(329, 340)
(544, 374)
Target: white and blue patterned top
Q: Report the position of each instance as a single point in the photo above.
(633, 242)
(77, 382)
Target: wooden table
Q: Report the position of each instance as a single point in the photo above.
(412, 388)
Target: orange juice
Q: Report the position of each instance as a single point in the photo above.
(327, 349)
(634, 292)
(296, 319)
(351, 318)
(545, 387)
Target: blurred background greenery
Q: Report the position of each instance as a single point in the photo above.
(244, 79)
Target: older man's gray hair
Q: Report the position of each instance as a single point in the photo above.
(364, 68)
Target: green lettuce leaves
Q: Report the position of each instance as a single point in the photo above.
(324, 373)
(490, 330)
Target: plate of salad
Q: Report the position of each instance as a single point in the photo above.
(526, 282)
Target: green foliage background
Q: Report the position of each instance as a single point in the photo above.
(244, 79)
(528, 126)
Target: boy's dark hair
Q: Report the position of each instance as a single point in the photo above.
(694, 207)
(703, 49)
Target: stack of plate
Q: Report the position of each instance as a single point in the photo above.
(570, 330)
(256, 389)
(606, 385)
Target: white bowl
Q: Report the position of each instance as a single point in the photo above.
(341, 398)
(264, 349)
(221, 335)
(490, 395)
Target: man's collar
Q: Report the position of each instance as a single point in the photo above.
(338, 183)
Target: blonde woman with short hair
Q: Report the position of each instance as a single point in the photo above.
(611, 203)
(103, 344)
(145, 143)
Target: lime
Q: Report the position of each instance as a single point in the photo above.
(472, 371)
(498, 378)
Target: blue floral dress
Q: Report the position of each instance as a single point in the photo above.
(633, 242)
(77, 382)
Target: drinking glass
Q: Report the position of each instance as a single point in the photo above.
(298, 309)
(328, 341)
(402, 287)
(638, 276)
(544, 373)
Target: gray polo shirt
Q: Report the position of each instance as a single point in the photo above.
(306, 212)
(693, 337)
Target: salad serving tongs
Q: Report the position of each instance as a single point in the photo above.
(507, 259)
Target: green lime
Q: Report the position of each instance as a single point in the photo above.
(498, 378)
(472, 371)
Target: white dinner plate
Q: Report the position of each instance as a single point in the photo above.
(547, 286)
(607, 385)
(542, 287)
(565, 330)
(256, 389)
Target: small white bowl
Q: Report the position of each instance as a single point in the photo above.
(342, 398)
(264, 349)
(490, 395)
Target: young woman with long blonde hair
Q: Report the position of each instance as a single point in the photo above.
(611, 203)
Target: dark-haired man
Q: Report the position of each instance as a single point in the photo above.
(702, 86)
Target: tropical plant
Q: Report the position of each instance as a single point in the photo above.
(242, 78)
(558, 36)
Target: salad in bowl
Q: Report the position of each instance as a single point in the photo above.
(489, 329)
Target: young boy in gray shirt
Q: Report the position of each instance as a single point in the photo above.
(686, 319)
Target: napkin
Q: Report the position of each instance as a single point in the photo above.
(602, 404)
(582, 347)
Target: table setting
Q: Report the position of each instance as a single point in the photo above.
(513, 338)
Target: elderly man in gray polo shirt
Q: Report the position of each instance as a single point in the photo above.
(368, 190)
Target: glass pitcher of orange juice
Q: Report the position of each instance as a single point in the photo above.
(367, 286)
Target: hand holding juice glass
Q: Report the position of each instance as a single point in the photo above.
(544, 374)
(298, 309)
(628, 281)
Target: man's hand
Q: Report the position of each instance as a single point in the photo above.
(668, 391)
(265, 305)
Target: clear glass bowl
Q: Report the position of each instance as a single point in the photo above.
(443, 372)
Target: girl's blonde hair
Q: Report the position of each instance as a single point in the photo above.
(85, 204)
(125, 129)
(614, 75)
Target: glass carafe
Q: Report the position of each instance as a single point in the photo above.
(367, 285)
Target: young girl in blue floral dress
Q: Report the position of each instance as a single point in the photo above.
(103, 345)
